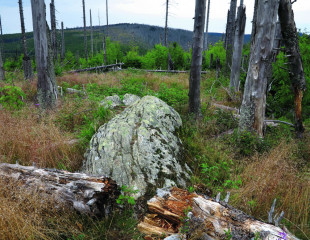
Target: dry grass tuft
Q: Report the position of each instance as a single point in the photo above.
(30, 137)
(28, 215)
(271, 176)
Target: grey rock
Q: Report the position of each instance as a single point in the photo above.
(111, 102)
(130, 99)
(139, 148)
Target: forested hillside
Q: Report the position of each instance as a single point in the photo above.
(128, 35)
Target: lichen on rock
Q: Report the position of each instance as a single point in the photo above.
(139, 148)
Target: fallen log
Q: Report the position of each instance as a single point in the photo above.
(96, 68)
(86, 194)
(167, 71)
(183, 215)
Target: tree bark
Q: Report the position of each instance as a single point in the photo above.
(297, 74)
(207, 28)
(254, 97)
(166, 23)
(63, 46)
(238, 46)
(85, 194)
(47, 88)
(2, 74)
(91, 34)
(105, 50)
(195, 74)
(107, 15)
(230, 34)
(27, 64)
(174, 211)
(53, 29)
(85, 33)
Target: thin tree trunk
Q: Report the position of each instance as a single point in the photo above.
(297, 74)
(1, 40)
(166, 23)
(85, 33)
(91, 34)
(207, 27)
(77, 58)
(230, 34)
(238, 46)
(53, 29)
(105, 51)
(27, 64)
(47, 88)
(63, 46)
(195, 74)
(107, 15)
(253, 107)
(2, 75)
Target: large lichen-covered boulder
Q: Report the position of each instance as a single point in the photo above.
(138, 148)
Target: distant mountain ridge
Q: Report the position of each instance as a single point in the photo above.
(128, 35)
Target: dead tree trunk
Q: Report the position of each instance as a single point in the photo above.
(85, 33)
(27, 64)
(107, 15)
(297, 75)
(63, 46)
(85, 194)
(230, 33)
(53, 29)
(238, 46)
(2, 75)
(166, 23)
(254, 97)
(47, 88)
(207, 27)
(77, 58)
(1, 40)
(105, 51)
(191, 216)
(195, 74)
(91, 34)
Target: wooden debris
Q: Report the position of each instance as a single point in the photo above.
(97, 68)
(86, 194)
(174, 211)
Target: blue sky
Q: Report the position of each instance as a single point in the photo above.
(138, 11)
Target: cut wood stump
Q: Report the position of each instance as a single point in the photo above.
(183, 215)
(84, 193)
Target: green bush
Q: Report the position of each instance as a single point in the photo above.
(132, 59)
(12, 97)
(157, 58)
(218, 51)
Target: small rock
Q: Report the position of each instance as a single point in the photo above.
(111, 102)
(130, 99)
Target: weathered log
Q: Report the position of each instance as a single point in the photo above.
(86, 194)
(199, 217)
(96, 68)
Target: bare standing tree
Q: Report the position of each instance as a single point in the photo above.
(53, 28)
(63, 47)
(166, 23)
(85, 33)
(27, 64)
(238, 46)
(207, 27)
(107, 15)
(91, 34)
(2, 75)
(230, 33)
(253, 107)
(47, 88)
(297, 74)
(195, 73)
